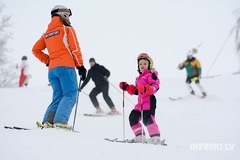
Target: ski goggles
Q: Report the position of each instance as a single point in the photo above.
(68, 11)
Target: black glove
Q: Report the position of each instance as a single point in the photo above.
(48, 64)
(82, 72)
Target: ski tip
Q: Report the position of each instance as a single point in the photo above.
(8, 127)
(175, 99)
(15, 127)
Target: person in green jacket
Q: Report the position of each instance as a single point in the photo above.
(194, 70)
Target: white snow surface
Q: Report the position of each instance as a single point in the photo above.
(186, 124)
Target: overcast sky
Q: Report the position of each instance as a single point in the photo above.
(114, 32)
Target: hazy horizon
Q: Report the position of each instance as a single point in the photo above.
(115, 32)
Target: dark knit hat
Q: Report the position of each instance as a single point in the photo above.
(24, 58)
(92, 60)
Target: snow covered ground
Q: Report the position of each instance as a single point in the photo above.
(194, 128)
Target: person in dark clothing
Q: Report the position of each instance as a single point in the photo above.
(99, 75)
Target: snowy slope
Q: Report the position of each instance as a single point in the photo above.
(187, 125)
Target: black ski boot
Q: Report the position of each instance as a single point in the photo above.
(193, 93)
(204, 94)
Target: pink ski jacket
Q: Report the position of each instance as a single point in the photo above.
(150, 78)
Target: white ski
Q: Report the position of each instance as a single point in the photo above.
(94, 115)
(163, 142)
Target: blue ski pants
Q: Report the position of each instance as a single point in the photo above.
(64, 84)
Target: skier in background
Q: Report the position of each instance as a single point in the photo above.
(146, 85)
(24, 76)
(194, 70)
(99, 74)
(64, 56)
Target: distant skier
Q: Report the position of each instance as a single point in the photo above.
(146, 85)
(64, 56)
(99, 74)
(194, 70)
(24, 76)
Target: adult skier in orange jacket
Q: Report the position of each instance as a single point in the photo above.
(64, 55)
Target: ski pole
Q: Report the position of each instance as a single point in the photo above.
(195, 50)
(120, 92)
(218, 54)
(79, 89)
(142, 118)
(200, 44)
(88, 96)
(142, 125)
(123, 116)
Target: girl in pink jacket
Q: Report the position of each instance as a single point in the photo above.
(147, 84)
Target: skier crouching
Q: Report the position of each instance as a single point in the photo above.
(147, 84)
(194, 70)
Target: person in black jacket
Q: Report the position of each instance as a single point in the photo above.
(99, 75)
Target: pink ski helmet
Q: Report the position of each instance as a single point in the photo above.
(147, 57)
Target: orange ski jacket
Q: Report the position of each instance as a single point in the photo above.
(62, 45)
